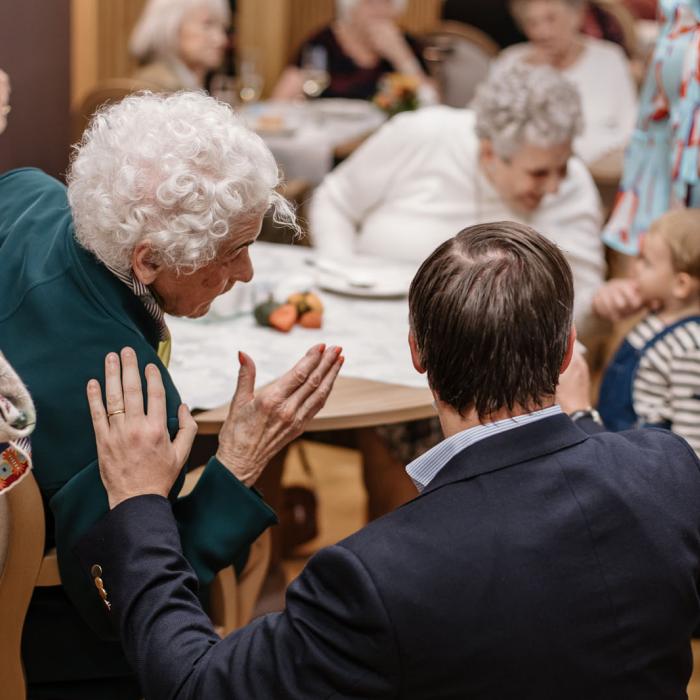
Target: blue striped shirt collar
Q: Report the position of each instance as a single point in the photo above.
(424, 469)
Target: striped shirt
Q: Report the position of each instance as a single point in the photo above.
(666, 388)
(424, 469)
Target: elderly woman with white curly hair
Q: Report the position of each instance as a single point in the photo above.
(363, 44)
(165, 196)
(427, 174)
(177, 42)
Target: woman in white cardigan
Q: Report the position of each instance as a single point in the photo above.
(599, 69)
(428, 174)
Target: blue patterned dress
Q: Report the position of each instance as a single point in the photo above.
(661, 163)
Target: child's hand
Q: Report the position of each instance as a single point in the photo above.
(617, 299)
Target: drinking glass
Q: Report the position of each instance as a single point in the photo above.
(314, 68)
(250, 80)
(225, 88)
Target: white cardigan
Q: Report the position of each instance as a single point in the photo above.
(416, 183)
(604, 80)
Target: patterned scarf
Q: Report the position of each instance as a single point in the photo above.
(150, 303)
(17, 419)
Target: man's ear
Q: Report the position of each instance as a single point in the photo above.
(570, 347)
(486, 152)
(145, 269)
(415, 355)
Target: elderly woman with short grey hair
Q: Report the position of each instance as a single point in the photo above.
(599, 69)
(165, 196)
(177, 42)
(427, 174)
(363, 44)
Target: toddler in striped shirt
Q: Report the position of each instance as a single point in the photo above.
(654, 377)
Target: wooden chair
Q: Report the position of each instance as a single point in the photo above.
(617, 10)
(112, 90)
(27, 567)
(460, 58)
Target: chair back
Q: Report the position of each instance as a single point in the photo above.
(108, 91)
(22, 521)
(459, 56)
(621, 14)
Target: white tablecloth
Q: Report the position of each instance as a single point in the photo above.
(373, 333)
(307, 150)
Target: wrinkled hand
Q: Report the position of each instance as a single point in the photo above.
(574, 390)
(135, 453)
(386, 39)
(617, 299)
(259, 425)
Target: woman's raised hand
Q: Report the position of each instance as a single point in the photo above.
(260, 424)
(134, 450)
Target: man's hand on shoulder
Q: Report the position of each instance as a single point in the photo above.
(135, 454)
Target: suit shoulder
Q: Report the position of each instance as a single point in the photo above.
(662, 444)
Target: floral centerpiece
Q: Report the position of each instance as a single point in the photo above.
(398, 93)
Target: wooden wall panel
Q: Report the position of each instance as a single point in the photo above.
(116, 20)
(422, 15)
(263, 27)
(100, 31)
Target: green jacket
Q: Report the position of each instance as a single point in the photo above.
(61, 312)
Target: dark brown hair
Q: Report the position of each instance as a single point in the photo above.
(491, 311)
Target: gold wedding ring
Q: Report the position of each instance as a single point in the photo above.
(115, 413)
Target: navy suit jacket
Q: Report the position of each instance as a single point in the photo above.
(544, 562)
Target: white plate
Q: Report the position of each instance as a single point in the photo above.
(339, 108)
(391, 283)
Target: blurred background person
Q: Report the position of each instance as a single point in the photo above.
(178, 42)
(362, 45)
(661, 163)
(599, 69)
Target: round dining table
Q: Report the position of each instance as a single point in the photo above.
(378, 384)
(307, 138)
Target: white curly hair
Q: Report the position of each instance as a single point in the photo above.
(156, 32)
(521, 104)
(179, 171)
(344, 7)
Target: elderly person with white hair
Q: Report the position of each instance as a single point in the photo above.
(427, 174)
(363, 44)
(599, 69)
(165, 196)
(177, 42)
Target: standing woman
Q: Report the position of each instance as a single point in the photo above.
(661, 165)
(363, 44)
(177, 42)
